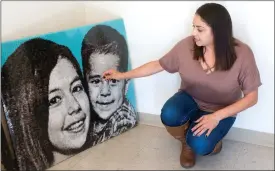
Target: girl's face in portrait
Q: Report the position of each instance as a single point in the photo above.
(69, 110)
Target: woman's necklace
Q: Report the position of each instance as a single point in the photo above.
(209, 69)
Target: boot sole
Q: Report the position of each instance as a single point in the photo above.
(187, 167)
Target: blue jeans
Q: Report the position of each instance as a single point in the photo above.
(180, 109)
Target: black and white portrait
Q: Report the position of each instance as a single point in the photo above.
(54, 100)
(104, 48)
(46, 104)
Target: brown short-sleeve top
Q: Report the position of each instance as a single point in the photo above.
(220, 88)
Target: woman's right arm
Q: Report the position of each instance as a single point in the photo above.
(147, 69)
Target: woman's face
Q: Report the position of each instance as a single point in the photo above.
(69, 110)
(202, 32)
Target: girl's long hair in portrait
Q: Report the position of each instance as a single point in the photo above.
(25, 89)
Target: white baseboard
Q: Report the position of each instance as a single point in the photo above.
(236, 134)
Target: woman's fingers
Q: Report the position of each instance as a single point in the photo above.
(202, 131)
(197, 128)
(209, 132)
(108, 75)
(199, 119)
(108, 72)
(201, 122)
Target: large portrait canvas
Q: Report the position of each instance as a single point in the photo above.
(54, 99)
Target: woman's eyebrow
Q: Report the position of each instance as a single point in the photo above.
(198, 26)
(76, 78)
(54, 90)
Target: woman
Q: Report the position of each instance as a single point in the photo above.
(46, 103)
(215, 70)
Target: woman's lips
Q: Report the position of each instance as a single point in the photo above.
(76, 126)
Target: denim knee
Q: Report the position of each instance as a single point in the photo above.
(200, 145)
(169, 116)
(178, 109)
(203, 145)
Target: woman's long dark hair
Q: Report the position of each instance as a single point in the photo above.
(25, 83)
(218, 18)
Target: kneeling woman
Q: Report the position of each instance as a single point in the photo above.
(215, 69)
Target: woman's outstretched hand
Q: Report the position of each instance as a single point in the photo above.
(147, 69)
(112, 74)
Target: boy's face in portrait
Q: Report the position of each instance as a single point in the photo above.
(106, 95)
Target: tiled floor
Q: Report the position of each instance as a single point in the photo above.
(152, 148)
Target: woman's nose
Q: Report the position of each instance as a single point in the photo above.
(105, 89)
(73, 105)
(194, 32)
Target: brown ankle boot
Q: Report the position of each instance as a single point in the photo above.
(217, 148)
(187, 156)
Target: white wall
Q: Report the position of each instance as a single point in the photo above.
(154, 27)
(258, 32)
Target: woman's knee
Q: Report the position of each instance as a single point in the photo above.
(200, 145)
(170, 116)
(204, 145)
(178, 109)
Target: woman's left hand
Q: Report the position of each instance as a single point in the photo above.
(205, 123)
